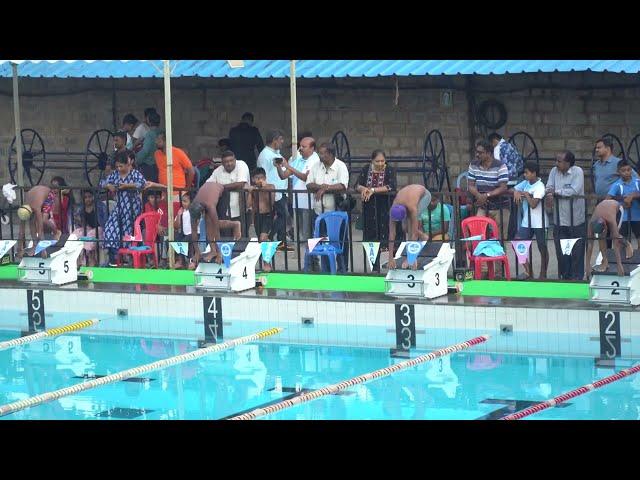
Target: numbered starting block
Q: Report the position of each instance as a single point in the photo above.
(60, 267)
(429, 282)
(609, 287)
(241, 275)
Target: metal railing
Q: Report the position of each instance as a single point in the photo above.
(289, 216)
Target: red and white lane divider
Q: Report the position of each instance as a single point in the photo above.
(572, 394)
(383, 372)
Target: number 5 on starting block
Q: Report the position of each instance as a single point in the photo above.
(59, 268)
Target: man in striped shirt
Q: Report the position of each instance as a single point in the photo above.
(487, 184)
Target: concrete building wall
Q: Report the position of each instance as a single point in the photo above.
(371, 112)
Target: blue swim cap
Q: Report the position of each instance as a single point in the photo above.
(398, 213)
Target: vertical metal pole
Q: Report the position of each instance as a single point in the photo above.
(114, 105)
(294, 135)
(16, 116)
(294, 107)
(169, 147)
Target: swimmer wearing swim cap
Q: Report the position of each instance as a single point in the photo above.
(31, 212)
(606, 218)
(25, 212)
(409, 203)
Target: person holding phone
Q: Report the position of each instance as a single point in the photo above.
(267, 161)
(299, 167)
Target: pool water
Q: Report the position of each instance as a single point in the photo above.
(467, 385)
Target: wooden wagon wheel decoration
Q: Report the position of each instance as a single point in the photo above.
(341, 144)
(434, 167)
(97, 155)
(633, 151)
(34, 156)
(526, 147)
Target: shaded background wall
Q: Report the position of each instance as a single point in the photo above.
(561, 110)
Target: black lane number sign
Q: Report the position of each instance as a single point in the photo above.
(35, 310)
(405, 327)
(212, 307)
(609, 334)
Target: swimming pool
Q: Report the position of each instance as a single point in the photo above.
(473, 384)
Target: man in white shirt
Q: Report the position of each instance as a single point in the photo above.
(234, 175)
(299, 167)
(565, 183)
(270, 159)
(327, 180)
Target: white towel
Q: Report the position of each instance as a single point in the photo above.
(9, 194)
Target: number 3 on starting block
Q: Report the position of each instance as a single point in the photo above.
(429, 282)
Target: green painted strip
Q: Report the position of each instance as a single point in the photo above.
(485, 288)
(141, 275)
(491, 288)
(9, 272)
(344, 283)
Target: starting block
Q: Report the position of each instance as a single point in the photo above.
(609, 287)
(430, 282)
(60, 267)
(241, 275)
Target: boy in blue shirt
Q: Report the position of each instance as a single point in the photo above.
(626, 191)
(530, 193)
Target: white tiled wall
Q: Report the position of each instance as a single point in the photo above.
(560, 331)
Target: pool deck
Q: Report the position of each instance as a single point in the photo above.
(476, 293)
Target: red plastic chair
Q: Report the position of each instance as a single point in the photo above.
(473, 226)
(139, 253)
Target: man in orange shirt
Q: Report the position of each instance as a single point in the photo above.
(183, 171)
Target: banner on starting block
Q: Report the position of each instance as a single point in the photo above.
(226, 249)
(371, 251)
(181, 248)
(521, 249)
(268, 250)
(5, 246)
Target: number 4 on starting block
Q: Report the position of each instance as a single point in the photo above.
(241, 275)
(430, 282)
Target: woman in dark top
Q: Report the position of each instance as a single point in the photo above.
(375, 180)
(64, 204)
(89, 220)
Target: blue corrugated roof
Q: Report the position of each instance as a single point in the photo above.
(309, 68)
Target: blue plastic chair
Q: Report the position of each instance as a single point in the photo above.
(334, 249)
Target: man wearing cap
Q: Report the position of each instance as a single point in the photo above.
(36, 199)
(607, 217)
(407, 207)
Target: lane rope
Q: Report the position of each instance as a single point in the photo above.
(48, 333)
(132, 372)
(383, 372)
(572, 394)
